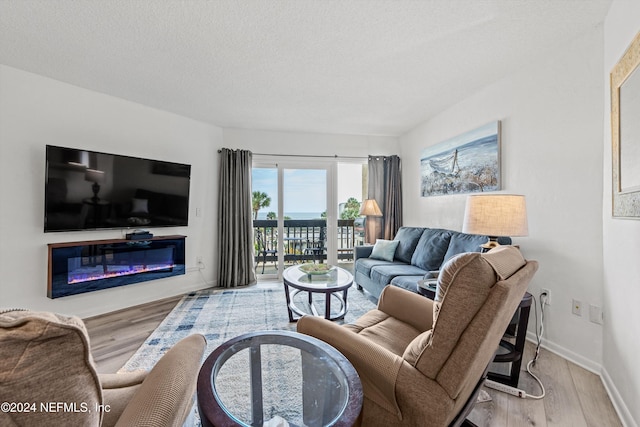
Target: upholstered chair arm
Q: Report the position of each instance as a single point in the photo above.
(117, 391)
(125, 379)
(166, 395)
(377, 367)
(408, 307)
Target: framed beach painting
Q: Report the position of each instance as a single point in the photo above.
(467, 163)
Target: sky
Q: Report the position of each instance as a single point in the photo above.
(305, 190)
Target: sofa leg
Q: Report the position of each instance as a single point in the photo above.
(358, 287)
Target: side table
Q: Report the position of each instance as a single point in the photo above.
(511, 347)
(512, 344)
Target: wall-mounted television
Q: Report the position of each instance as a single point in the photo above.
(89, 190)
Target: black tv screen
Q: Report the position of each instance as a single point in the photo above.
(88, 190)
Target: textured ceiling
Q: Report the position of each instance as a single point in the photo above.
(375, 67)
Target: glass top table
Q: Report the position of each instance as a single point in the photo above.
(333, 282)
(270, 376)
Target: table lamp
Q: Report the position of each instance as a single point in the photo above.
(495, 215)
(370, 208)
(97, 177)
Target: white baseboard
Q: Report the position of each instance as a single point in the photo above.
(621, 408)
(571, 356)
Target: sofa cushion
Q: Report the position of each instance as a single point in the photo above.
(384, 249)
(408, 238)
(385, 273)
(431, 249)
(364, 265)
(462, 242)
(409, 283)
(386, 331)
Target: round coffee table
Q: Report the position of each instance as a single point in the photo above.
(267, 375)
(334, 284)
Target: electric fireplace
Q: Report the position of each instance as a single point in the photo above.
(79, 267)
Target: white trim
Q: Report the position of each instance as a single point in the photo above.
(621, 408)
(565, 353)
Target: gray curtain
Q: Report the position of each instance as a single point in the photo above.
(385, 185)
(235, 228)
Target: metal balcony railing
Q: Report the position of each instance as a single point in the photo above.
(303, 240)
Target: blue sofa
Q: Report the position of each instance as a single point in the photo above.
(419, 251)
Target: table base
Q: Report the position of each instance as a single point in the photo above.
(293, 308)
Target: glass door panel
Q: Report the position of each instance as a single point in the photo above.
(264, 181)
(304, 231)
(351, 192)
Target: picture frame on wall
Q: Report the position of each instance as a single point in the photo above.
(467, 163)
(625, 133)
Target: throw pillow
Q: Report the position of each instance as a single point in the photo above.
(408, 238)
(139, 206)
(384, 249)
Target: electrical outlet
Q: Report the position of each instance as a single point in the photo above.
(576, 307)
(595, 314)
(547, 299)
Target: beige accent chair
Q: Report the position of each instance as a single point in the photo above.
(46, 363)
(421, 361)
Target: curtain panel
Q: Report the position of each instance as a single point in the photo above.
(385, 186)
(235, 228)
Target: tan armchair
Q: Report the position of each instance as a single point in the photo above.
(47, 370)
(419, 360)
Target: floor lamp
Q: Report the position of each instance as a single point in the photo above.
(370, 208)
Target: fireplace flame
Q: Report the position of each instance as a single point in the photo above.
(87, 276)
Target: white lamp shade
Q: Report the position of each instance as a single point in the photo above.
(370, 208)
(93, 175)
(496, 215)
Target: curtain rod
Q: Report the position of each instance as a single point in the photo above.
(335, 156)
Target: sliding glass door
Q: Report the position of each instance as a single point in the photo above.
(304, 212)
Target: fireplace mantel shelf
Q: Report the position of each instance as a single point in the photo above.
(110, 241)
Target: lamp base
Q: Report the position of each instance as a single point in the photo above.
(491, 243)
(96, 189)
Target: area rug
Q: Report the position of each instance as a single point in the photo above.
(220, 315)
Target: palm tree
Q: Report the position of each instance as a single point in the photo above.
(259, 200)
(351, 209)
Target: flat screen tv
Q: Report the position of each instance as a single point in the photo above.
(88, 190)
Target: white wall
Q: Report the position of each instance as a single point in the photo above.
(621, 370)
(35, 111)
(551, 113)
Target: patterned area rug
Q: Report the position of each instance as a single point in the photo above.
(220, 315)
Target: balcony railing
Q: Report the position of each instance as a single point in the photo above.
(303, 240)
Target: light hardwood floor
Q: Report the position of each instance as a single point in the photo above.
(574, 397)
